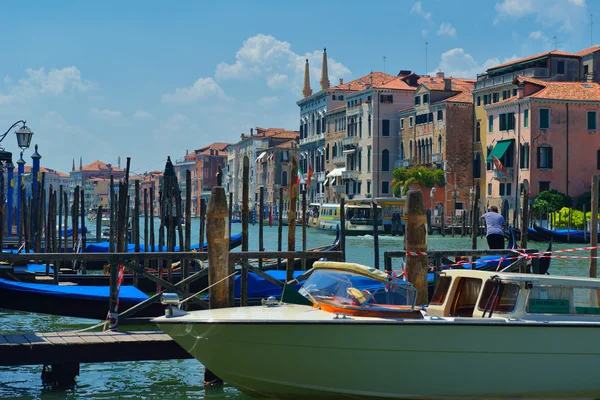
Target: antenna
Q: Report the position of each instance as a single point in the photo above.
(384, 58)
(555, 42)
(426, 44)
(591, 30)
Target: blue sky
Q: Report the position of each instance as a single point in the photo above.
(149, 79)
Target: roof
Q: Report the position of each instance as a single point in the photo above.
(374, 79)
(396, 83)
(269, 132)
(219, 147)
(574, 91)
(286, 145)
(462, 97)
(99, 166)
(531, 58)
(457, 84)
(48, 171)
(340, 108)
(588, 51)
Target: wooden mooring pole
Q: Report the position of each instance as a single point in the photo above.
(304, 214)
(416, 241)
(261, 217)
(292, 218)
(220, 294)
(594, 228)
(343, 227)
(475, 218)
(245, 212)
(525, 215)
(375, 234)
(279, 225)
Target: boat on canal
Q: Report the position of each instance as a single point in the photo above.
(523, 335)
(358, 218)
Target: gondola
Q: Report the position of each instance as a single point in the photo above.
(563, 235)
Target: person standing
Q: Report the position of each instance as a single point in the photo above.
(495, 225)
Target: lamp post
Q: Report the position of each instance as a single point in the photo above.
(431, 200)
(23, 134)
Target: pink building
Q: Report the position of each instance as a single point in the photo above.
(546, 136)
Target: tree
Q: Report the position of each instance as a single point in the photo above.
(404, 177)
(551, 201)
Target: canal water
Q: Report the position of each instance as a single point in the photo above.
(182, 379)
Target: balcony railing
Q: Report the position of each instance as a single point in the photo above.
(320, 176)
(501, 176)
(484, 82)
(407, 162)
(352, 175)
(339, 188)
(339, 161)
(436, 158)
(350, 141)
(312, 138)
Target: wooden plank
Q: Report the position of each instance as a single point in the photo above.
(73, 339)
(35, 338)
(16, 339)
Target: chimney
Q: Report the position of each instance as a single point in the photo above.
(439, 74)
(447, 83)
(520, 91)
(341, 81)
(307, 91)
(324, 72)
(251, 131)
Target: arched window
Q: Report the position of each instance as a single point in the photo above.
(478, 132)
(327, 152)
(369, 125)
(440, 144)
(410, 149)
(284, 180)
(477, 166)
(402, 150)
(385, 160)
(334, 151)
(360, 127)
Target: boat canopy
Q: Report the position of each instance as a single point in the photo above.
(336, 172)
(372, 273)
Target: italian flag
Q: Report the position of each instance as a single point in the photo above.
(299, 177)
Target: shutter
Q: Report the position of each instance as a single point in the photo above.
(549, 157)
(539, 157)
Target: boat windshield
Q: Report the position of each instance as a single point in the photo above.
(349, 289)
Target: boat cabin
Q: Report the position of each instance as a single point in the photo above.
(357, 290)
(482, 294)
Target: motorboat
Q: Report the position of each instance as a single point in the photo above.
(359, 334)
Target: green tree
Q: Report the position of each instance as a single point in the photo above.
(404, 177)
(551, 201)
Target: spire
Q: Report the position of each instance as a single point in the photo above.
(307, 91)
(73, 164)
(324, 72)
(80, 163)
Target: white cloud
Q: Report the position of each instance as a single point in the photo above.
(203, 87)
(103, 114)
(141, 114)
(268, 101)
(460, 64)
(185, 130)
(424, 33)
(566, 14)
(446, 30)
(266, 57)
(537, 35)
(417, 8)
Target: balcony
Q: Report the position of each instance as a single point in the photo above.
(312, 138)
(350, 142)
(339, 188)
(320, 176)
(483, 82)
(436, 158)
(356, 110)
(339, 161)
(352, 175)
(501, 176)
(407, 162)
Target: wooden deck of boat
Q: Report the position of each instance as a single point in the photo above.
(87, 347)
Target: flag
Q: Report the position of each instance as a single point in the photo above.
(498, 165)
(309, 175)
(299, 178)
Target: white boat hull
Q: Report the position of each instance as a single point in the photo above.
(296, 351)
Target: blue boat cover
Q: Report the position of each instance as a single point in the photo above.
(33, 268)
(102, 247)
(490, 262)
(128, 294)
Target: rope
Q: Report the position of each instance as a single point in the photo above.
(208, 287)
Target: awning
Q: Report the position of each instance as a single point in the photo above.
(261, 156)
(349, 151)
(499, 149)
(336, 172)
(326, 182)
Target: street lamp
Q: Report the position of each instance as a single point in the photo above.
(23, 134)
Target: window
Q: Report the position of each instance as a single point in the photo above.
(385, 127)
(598, 159)
(478, 132)
(441, 290)
(502, 122)
(486, 99)
(526, 119)
(544, 118)
(385, 187)
(478, 101)
(544, 157)
(502, 299)
(368, 158)
(358, 185)
(340, 97)
(490, 124)
(592, 124)
(501, 188)
(507, 121)
(489, 192)
(323, 125)
(467, 292)
(544, 186)
(333, 97)
(505, 94)
(385, 160)
(360, 127)
(505, 189)
(426, 98)
(430, 117)
(368, 187)
(488, 165)
(514, 92)
(284, 180)
(369, 98)
(560, 67)
(440, 115)
(402, 123)
(496, 97)
(477, 166)
(417, 100)
(386, 98)
(410, 121)
(327, 152)
(369, 127)
(359, 160)
(524, 156)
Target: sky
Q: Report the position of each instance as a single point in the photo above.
(99, 80)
